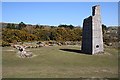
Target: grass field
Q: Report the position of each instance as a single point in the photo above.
(53, 62)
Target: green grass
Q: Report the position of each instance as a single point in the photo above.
(51, 62)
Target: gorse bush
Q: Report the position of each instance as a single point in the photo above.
(22, 33)
(12, 33)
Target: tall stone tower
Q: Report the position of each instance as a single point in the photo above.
(92, 38)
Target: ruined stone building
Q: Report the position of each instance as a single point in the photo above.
(92, 38)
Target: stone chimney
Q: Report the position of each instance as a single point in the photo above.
(92, 38)
(96, 10)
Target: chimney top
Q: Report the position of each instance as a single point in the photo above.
(96, 10)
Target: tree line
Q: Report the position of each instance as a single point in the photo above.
(21, 32)
(24, 33)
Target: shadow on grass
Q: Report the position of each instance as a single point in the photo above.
(75, 51)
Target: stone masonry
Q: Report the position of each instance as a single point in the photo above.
(92, 38)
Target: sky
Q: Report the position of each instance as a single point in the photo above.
(60, 0)
(56, 13)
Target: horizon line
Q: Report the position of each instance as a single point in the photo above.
(53, 25)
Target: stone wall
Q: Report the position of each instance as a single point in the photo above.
(87, 35)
